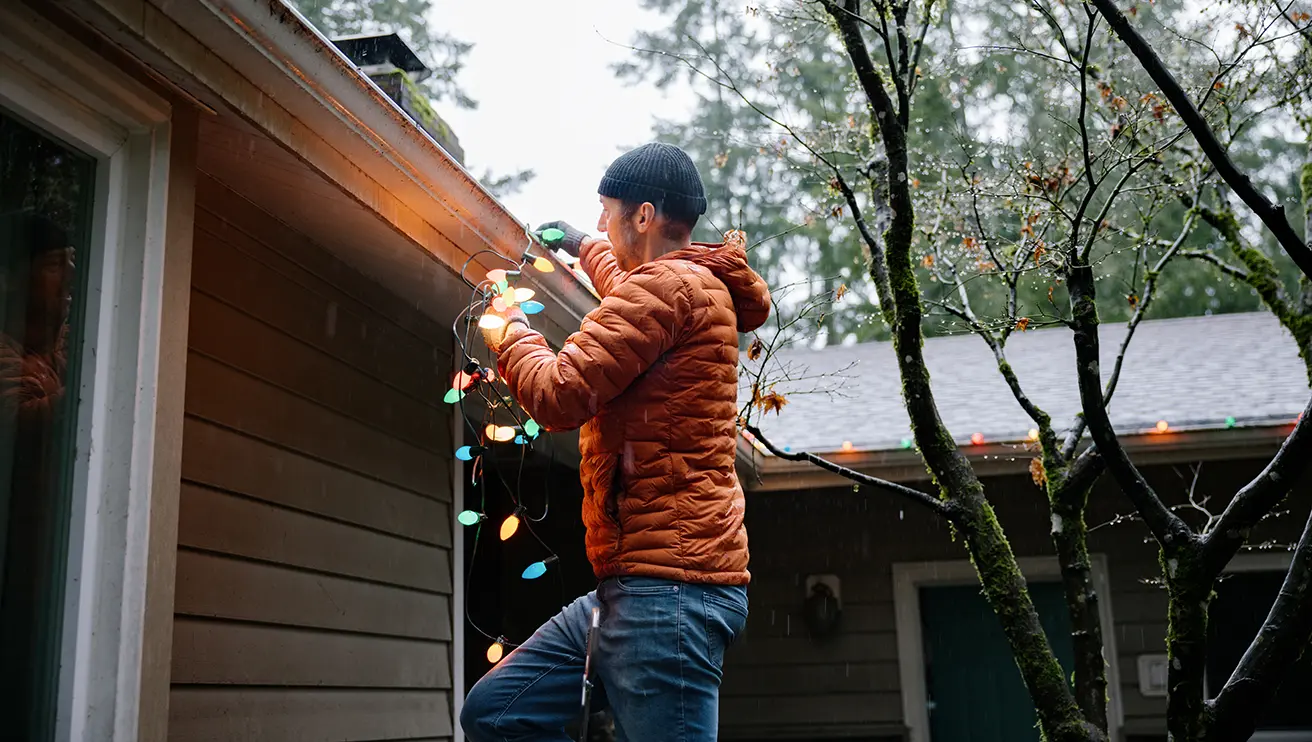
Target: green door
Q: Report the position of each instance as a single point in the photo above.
(974, 689)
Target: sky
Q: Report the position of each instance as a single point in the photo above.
(548, 99)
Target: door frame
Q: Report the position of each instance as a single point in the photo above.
(909, 577)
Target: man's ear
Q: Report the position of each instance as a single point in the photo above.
(645, 218)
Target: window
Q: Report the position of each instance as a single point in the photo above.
(46, 200)
(1242, 601)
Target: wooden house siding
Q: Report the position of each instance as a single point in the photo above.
(314, 573)
(780, 683)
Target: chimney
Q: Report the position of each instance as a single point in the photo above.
(394, 67)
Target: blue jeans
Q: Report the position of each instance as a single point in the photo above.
(657, 666)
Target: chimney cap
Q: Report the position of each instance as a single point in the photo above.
(367, 50)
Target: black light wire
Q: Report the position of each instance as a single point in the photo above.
(479, 298)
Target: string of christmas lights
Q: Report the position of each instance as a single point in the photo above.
(496, 292)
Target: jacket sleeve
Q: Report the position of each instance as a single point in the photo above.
(599, 263)
(641, 319)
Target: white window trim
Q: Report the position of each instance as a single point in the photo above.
(909, 577)
(51, 79)
(457, 565)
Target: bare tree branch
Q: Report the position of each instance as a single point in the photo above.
(940, 507)
(1272, 215)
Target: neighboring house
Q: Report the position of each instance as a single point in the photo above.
(227, 505)
(917, 655)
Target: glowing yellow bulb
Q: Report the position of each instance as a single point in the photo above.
(495, 652)
(543, 265)
(523, 295)
(491, 322)
(509, 526)
(1034, 434)
(499, 433)
(508, 296)
(1162, 426)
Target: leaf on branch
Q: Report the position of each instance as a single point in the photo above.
(1133, 299)
(970, 243)
(1039, 250)
(1119, 103)
(1050, 289)
(915, 182)
(984, 266)
(721, 159)
(1038, 473)
(1300, 16)
(771, 401)
(1243, 31)
(1218, 85)
(927, 261)
(1023, 324)
(837, 211)
(1133, 11)
(755, 350)
(851, 122)
(1159, 112)
(840, 292)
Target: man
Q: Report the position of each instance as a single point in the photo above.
(652, 378)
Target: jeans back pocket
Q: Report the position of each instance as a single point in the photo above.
(726, 618)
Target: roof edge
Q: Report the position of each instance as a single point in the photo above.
(773, 474)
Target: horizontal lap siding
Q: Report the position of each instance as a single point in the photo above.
(781, 683)
(314, 564)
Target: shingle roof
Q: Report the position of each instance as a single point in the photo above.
(1193, 372)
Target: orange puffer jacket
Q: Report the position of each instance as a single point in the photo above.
(652, 378)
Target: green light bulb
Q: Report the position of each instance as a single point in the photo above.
(531, 429)
(552, 235)
(1230, 422)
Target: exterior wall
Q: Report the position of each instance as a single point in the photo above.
(780, 683)
(314, 569)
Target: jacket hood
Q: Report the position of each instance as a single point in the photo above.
(727, 261)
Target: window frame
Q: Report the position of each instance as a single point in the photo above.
(1267, 561)
(71, 93)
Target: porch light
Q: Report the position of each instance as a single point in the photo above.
(1034, 434)
(847, 445)
(1162, 426)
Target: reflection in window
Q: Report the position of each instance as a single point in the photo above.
(45, 207)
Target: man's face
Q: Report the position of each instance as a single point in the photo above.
(628, 237)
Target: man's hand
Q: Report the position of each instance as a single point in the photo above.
(573, 238)
(494, 336)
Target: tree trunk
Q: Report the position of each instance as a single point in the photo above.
(1070, 536)
(1189, 590)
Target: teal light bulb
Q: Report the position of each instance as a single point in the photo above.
(532, 307)
(531, 429)
(453, 396)
(467, 453)
(535, 570)
(469, 518)
(552, 235)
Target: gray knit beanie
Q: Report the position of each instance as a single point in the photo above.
(661, 174)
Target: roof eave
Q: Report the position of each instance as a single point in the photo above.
(775, 474)
(266, 63)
